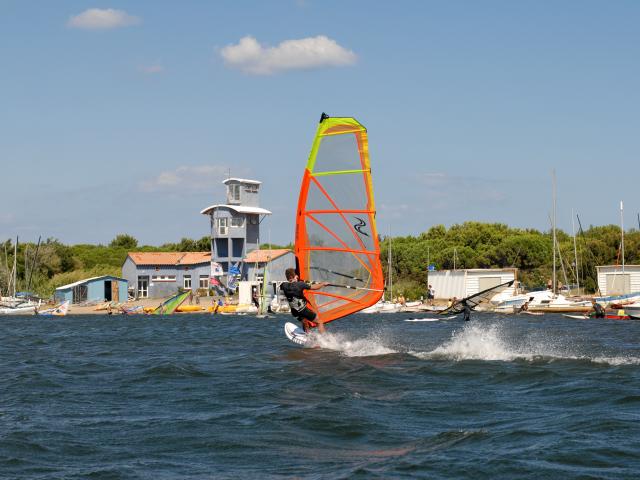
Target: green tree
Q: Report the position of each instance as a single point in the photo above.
(124, 240)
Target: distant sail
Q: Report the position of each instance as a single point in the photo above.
(336, 236)
(169, 306)
(479, 298)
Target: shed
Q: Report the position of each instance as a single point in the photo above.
(466, 282)
(616, 280)
(106, 288)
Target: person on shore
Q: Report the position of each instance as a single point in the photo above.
(466, 313)
(431, 295)
(293, 290)
(598, 311)
(452, 302)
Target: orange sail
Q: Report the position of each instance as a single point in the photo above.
(336, 237)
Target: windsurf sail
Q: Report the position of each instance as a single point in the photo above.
(169, 306)
(336, 237)
(476, 299)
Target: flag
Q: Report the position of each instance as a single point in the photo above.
(216, 270)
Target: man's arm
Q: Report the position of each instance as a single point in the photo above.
(318, 286)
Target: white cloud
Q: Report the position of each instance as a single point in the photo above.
(185, 178)
(314, 52)
(151, 69)
(102, 19)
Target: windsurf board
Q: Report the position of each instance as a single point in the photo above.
(295, 333)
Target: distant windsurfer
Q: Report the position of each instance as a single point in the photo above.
(293, 290)
(598, 311)
(466, 312)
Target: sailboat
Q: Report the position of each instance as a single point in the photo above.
(336, 238)
(14, 304)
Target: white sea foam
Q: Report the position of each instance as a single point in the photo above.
(368, 346)
(473, 342)
(492, 342)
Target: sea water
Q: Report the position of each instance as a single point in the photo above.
(200, 396)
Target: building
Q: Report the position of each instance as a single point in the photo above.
(162, 274)
(273, 262)
(235, 225)
(257, 263)
(106, 288)
(614, 280)
(466, 282)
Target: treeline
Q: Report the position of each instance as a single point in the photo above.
(57, 264)
(469, 245)
(495, 245)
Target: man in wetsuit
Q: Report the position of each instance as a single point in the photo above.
(293, 290)
(598, 311)
(466, 312)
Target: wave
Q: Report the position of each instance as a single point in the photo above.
(491, 342)
(369, 346)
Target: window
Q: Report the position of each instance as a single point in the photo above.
(187, 282)
(163, 278)
(223, 225)
(251, 188)
(237, 222)
(253, 219)
(204, 281)
(234, 193)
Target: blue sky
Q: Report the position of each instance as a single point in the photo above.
(126, 116)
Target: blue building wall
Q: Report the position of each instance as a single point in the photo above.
(162, 289)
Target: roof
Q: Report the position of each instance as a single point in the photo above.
(241, 180)
(237, 208)
(263, 256)
(87, 280)
(170, 258)
(618, 267)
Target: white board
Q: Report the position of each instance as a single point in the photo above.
(295, 333)
(450, 317)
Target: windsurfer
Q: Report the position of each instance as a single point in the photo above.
(467, 311)
(293, 290)
(598, 311)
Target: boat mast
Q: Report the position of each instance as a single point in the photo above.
(553, 227)
(622, 232)
(15, 266)
(389, 267)
(575, 251)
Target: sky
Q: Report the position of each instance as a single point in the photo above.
(126, 116)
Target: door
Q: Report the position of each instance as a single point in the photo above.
(488, 282)
(618, 283)
(143, 286)
(107, 290)
(115, 294)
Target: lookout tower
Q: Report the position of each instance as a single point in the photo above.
(235, 225)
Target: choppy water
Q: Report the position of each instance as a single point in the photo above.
(229, 397)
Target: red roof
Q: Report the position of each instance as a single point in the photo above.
(263, 256)
(170, 258)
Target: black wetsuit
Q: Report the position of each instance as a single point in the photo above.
(598, 311)
(294, 292)
(466, 312)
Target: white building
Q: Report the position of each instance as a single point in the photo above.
(466, 282)
(612, 280)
